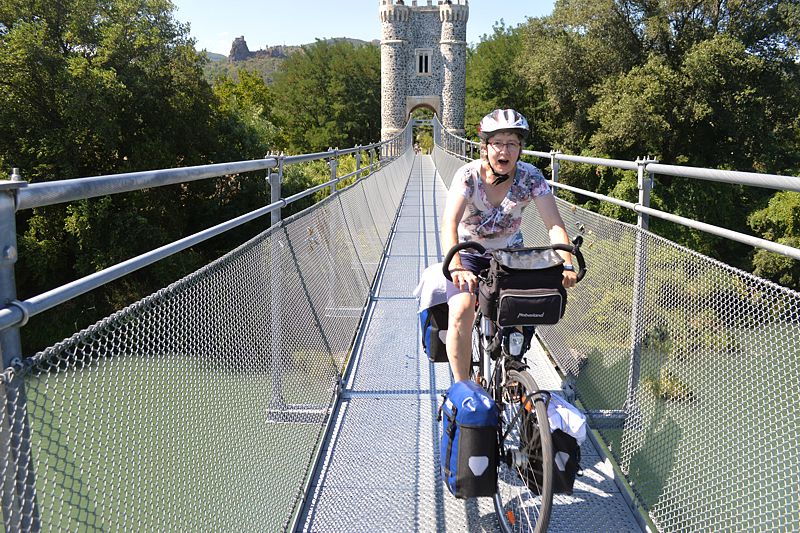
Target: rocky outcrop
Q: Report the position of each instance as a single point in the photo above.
(239, 50)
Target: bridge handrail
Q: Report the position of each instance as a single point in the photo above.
(62, 191)
(27, 196)
(647, 169)
(758, 242)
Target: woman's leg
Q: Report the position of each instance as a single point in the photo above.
(459, 334)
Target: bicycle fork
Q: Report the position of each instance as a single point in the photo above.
(488, 330)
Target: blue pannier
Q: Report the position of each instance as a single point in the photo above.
(433, 322)
(469, 441)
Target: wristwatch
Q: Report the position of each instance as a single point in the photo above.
(569, 267)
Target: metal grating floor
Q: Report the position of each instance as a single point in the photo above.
(379, 468)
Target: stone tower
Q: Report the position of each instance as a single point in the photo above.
(423, 61)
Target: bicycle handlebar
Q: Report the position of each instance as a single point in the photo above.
(574, 249)
(454, 250)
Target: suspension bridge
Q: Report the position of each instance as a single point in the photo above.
(283, 387)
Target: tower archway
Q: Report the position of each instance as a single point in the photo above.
(423, 61)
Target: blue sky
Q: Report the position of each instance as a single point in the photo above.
(264, 23)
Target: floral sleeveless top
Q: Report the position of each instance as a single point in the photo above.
(496, 227)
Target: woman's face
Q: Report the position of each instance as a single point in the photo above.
(503, 150)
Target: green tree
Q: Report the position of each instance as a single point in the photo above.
(247, 102)
(779, 221)
(707, 84)
(491, 84)
(328, 95)
(569, 53)
(95, 87)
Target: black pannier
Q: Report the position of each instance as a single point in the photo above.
(524, 287)
(566, 461)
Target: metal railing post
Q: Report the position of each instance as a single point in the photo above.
(333, 163)
(20, 510)
(639, 279)
(358, 163)
(555, 166)
(275, 179)
(277, 401)
(645, 184)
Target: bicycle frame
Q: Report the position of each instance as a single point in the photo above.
(517, 395)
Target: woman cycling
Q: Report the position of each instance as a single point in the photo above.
(485, 204)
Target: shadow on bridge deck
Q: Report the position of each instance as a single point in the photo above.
(380, 466)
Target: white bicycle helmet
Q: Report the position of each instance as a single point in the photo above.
(501, 120)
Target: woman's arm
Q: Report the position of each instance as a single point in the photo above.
(453, 212)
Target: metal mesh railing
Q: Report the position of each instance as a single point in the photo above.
(712, 437)
(202, 406)
(711, 440)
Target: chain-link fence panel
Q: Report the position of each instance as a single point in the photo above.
(202, 406)
(711, 440)
(446, 164)
(702, 359)
(363, 229)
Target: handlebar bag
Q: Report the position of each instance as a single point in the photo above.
(468, 447)
(523, 287)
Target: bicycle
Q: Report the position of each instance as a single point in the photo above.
(524, 497)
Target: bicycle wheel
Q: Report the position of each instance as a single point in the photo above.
(525, 486)
(476, 369)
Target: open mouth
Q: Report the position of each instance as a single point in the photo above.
(502, 161)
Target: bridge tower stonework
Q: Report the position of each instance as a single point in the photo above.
(423, 61)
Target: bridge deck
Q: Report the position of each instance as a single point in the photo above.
(380, 469)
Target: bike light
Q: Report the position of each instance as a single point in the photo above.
(515, 342)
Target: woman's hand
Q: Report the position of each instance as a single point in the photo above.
(570, 279)
(464, 279)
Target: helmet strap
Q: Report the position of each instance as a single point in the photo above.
(498, 178)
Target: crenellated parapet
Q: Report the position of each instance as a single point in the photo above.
(454, 12)
(393, 12)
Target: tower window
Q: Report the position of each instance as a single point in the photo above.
(423, 61)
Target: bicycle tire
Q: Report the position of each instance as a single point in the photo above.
(477, 354)
(524, 498)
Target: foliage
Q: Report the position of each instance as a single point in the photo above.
(247, 101)
(423, 135)
(778, 222)
(491, 84)
(93, 87)
(328, 96)
(264, 66)
(704, 84)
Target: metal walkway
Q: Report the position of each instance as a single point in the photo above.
(380, 467)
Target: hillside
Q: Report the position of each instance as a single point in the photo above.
(265, 66)
(265, 61)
